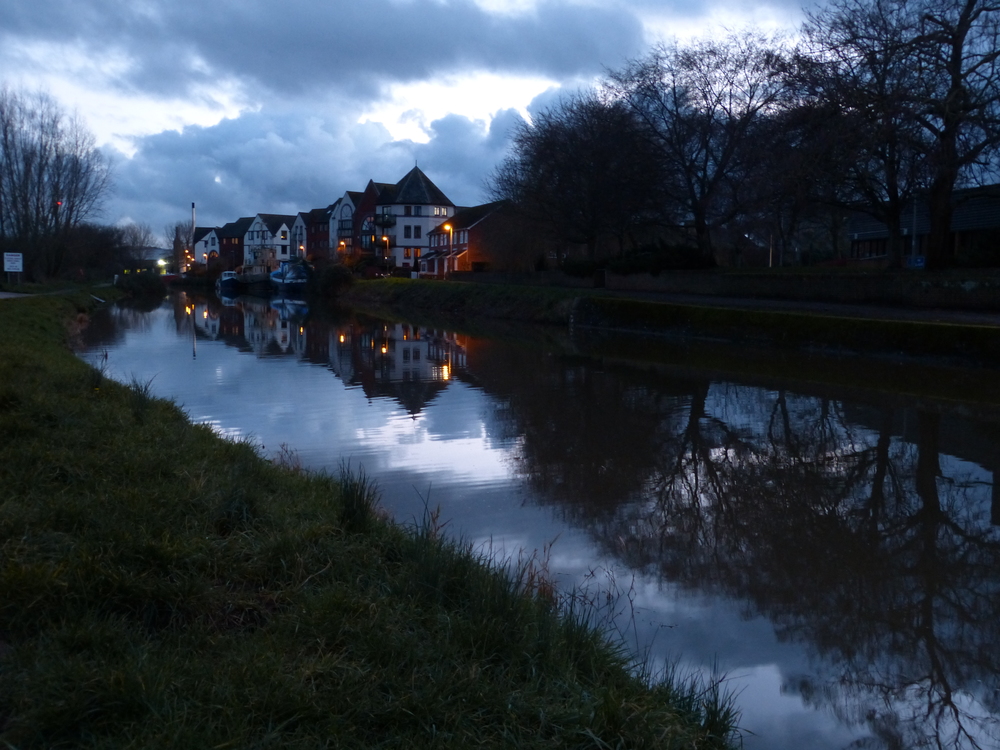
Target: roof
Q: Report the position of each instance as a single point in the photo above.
(465, 218)
(317, 215)
(201, 232)
(236, 228)
(416, 188)
(274, 221)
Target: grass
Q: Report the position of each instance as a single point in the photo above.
(163, 588)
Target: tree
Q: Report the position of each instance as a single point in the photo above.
(580, 170)
(180, 236)
(957, 55)
(52, 179)
(859, 74)
(700, 106)
(920, 84)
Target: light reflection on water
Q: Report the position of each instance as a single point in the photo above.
(837, 558)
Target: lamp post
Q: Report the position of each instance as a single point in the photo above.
(386, 240)
(451, 245)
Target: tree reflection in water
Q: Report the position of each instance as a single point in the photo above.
(854, 534)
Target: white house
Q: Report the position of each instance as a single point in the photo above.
(268, 243)
(407, 214)
(206, 244)
(342, 223)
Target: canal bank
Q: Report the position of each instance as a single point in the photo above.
(966, 337)
(161, 587)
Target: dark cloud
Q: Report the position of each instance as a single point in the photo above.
(304, 45)
(283, 163)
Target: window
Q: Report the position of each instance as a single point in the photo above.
(416, 231)
(407, 210)
(213, 240)
(407, 252)
(406, 231)
(416, 352)
(418, 210)
(284, 234)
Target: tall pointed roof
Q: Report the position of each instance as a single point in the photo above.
(416, 188)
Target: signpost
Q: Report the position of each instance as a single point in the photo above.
(13, 263)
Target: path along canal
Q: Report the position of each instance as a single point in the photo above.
(834, 549)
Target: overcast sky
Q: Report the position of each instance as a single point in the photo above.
(247, 106)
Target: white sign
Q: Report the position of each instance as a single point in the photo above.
(12, 263)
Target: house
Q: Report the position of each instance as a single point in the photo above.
(407, 213)
(311, 234)
(975, 230)
(231, 237)
(342, 224)
(268, 243)
(206, 245)
(466, 242)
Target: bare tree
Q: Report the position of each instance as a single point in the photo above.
(137, 235)
(859, 72)
(580, 170)
(52, 178)
(920, 84)
(180, 236)
(700, 105)
(958, 105)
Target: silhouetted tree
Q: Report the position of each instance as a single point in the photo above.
(580, 171)
(700, 106)
(52, 179)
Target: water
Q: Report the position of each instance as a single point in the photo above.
(828, 543)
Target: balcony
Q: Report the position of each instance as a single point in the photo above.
(385, 220)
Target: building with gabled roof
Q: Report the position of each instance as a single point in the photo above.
(463, 243)
(311, 234)
(342, 223)
(403, 216)
(231, 237)
(268, 243)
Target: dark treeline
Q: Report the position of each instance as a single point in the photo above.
(53, 181)
(747, 140)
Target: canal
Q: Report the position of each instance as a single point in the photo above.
(820, 531)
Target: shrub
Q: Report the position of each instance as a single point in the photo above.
(334, 280)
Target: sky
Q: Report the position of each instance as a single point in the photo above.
(249, 106)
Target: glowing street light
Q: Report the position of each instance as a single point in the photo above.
(451, 246)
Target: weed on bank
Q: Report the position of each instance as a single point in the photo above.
(163, 588)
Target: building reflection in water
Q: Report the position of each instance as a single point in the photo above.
(396, 360)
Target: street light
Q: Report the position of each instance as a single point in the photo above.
(386, 239)
(451, 245)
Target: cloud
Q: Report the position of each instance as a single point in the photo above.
(354, 48)
(245, 106)
(281, 161)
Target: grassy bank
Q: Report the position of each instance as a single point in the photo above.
(161, 587)
(458, 302)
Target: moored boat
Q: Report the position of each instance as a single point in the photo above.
(290, 278)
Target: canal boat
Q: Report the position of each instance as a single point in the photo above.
(228, 284)
(290, 278)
